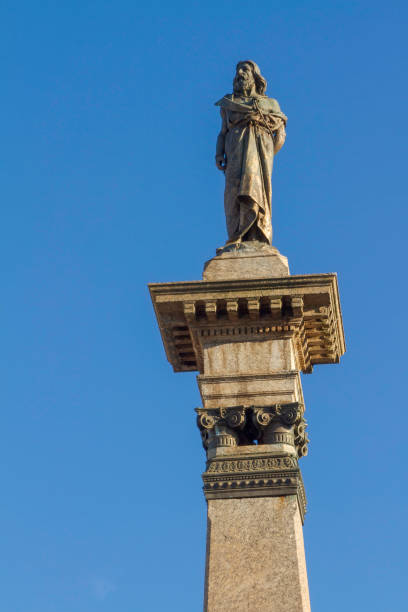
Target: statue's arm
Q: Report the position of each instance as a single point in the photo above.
(279, 138)
(220, 158)
(280, 132)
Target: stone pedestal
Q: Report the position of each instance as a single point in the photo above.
(250, 329)
(246, 260)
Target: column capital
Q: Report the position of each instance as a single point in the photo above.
(243, 426)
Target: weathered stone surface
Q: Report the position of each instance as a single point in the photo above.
(247, 389)
(249, 371)
(238, 451)
(249, 338)
(252, 471)
(243, 261)
(255, 556)
(249, 329)
(194, 314)
(252, 132)
(255, 429)
(248, 356)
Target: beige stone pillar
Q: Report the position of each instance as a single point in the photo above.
(250, 328)
(255, 556)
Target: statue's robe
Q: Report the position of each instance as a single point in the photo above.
(255, 132)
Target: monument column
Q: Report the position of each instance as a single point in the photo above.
(250, 328)
(250, 338)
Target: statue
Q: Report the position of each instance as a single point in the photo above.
(252, 132)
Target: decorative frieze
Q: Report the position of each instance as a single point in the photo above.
(250, 464)
(255, 474)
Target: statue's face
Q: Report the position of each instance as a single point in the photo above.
(244, 78)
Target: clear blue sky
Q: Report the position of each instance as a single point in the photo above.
(108, 183)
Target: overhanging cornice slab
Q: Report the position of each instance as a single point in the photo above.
(307, 306)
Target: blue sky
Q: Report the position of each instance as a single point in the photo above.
(108, 183)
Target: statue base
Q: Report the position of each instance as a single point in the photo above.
(246, 260)
(249, 329)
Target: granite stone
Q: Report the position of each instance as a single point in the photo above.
(255, 556)
(246, 261)
(249, 328)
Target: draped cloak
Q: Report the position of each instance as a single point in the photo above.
(255, 128)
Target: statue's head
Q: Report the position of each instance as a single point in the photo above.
(248, 77)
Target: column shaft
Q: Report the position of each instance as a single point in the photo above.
(255, 556)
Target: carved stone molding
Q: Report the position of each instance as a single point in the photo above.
(282, 423)
(255, 474)
(221, 426)
(239, 425)
(231, 417)
(306, 308)
(250, 464)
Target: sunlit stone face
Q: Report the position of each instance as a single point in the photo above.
(244, 79)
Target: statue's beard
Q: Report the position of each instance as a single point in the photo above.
(243, 85)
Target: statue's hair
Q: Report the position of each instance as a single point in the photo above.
(260, 82)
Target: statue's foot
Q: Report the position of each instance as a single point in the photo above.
(245, 245)
(229, 246)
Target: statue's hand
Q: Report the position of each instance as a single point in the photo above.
(221, 162)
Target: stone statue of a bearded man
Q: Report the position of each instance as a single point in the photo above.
(252, 132)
